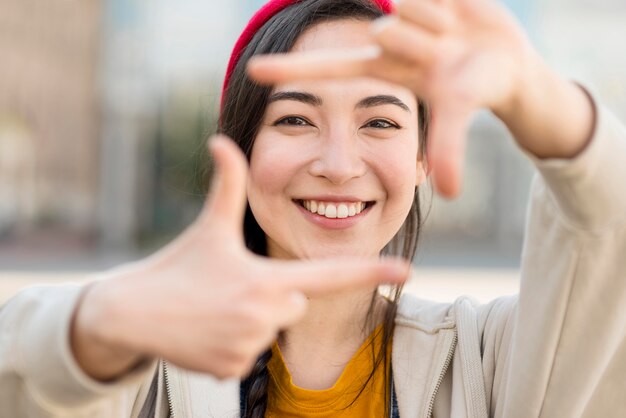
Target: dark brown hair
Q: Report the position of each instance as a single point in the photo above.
(244, 105)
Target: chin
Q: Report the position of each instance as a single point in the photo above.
(320, 248)
(337, 251)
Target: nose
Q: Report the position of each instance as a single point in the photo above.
(340, 159)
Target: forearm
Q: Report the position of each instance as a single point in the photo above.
(549, 116)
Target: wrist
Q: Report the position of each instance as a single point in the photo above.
(530, 71)
(548, 116)
(101, 332)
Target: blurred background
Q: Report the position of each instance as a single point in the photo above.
(105, 107)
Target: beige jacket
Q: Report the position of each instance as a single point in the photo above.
(557, 350)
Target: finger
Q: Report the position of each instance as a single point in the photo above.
(322, 278)
(291, 310)
(314, 65)
(400, 71)
(429, 15)
(404, 40)
(446, 147)
(227, 203)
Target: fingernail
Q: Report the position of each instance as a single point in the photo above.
(382, 23)
(215, 140)
(397, 270)
(298, 298)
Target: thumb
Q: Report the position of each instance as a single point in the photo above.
(446, 147)
(227, 202)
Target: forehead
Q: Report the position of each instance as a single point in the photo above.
(337, 34)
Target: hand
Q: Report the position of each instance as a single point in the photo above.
(205, 303)
(458, 55)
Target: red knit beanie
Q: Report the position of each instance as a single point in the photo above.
(261, 17)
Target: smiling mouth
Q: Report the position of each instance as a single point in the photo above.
(334, 210)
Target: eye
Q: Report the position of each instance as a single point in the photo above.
(381, 124)
(292, 121)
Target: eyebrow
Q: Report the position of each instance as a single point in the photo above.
(380, 100)
(297, 96)
(311, 99)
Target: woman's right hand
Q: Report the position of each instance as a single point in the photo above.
(204, 302)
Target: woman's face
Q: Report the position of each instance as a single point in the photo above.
(346, 150)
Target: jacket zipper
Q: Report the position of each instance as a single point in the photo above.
(446, 364)
(168, 390)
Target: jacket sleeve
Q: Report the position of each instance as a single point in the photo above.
(566, 345)
(38, 374)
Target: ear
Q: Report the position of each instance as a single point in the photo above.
(421, 172)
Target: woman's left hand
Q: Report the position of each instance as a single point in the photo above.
(459, 56)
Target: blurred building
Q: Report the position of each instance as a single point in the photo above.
(583, 39)
(85, 90)
(49, 115)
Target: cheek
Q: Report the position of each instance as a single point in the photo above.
(268, 170)
(272, 167)
(397, 170)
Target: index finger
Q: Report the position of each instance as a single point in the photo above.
(323, 64)
(321, 278)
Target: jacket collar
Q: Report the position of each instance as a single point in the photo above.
(423, 345)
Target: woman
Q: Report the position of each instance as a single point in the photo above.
(334, 168)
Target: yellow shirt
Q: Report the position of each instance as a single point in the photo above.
(288, 400)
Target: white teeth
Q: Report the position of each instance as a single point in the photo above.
(342, 211)
(331, 211)
(334, 210)
(321, 209)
